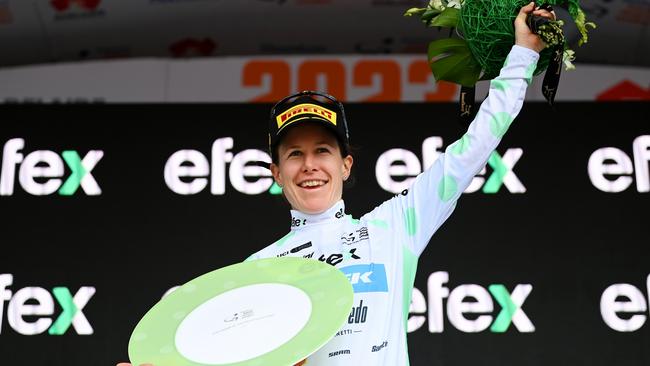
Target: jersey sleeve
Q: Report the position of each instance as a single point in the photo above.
(433, 194)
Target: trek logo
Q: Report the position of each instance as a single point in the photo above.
(457, 307)
(358, 314)
(40, 171)
(337, 258)
(188, 171)
(36, 301)
(625, 298)
(396, 169)
(610, 168)
(62, 5)
(367, 277)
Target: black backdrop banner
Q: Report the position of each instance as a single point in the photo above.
(104, 208)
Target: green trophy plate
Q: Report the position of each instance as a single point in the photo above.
(274, 311)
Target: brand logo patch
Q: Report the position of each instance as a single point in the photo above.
(305, 108)
(367, 277)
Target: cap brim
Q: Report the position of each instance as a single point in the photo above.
(301, 121)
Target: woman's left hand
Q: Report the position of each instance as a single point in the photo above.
(523, 35)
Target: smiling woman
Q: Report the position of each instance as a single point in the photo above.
(311, 169)
(378, 253)
(309, 145)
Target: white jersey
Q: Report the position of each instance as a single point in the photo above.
(379, 252)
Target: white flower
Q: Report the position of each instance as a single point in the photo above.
(567, 57)
(455, 3)
(437, 4)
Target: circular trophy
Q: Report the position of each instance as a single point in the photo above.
(274, 311)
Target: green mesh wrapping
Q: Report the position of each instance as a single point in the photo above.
(488, 27)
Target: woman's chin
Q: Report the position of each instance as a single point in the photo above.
(316, 207)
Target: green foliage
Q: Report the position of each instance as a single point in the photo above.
(487, 34)
(451, 60)
(448, 18)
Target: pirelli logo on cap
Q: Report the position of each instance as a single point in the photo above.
(302, 109)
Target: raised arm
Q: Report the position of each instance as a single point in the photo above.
(433, 195)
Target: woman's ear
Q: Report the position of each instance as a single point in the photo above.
(347, 166)
(275, 170)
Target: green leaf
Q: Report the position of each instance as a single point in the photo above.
(583, 25)
(451, 60)
(429, 14)
(414, 11)
(448, 18)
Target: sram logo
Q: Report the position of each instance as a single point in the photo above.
(39, 172)
(610, 169)
(470, 307)
(397, 168)
(37, 304)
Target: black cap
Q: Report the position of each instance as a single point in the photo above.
(308, 106)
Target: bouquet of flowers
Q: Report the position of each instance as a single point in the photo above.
(485, 30)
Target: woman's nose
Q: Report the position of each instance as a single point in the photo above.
(309, 162)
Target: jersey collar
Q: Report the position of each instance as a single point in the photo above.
(300, 219)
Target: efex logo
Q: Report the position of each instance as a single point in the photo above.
(40, 171)
(38, 302)
(397, 168)
(610, 168)
(468, 307)
(623, 306)
(189, 172)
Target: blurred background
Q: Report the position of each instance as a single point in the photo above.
(98, 221)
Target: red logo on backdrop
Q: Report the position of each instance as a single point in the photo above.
(636, 14)
(193, 47)
(625, 90)
(5, 14)
(62, 5)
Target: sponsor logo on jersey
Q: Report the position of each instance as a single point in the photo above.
(343, 332)
(367, 277)
(297, 249)
(301, 247)
(334, 259)
(339, 214)
(338, 353)
(298, 222)
(355, 236)
(358, 314)
(383, 345)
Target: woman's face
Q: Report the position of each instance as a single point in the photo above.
(310, 168)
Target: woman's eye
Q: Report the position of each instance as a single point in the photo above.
(294, 153)
(323, 150)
